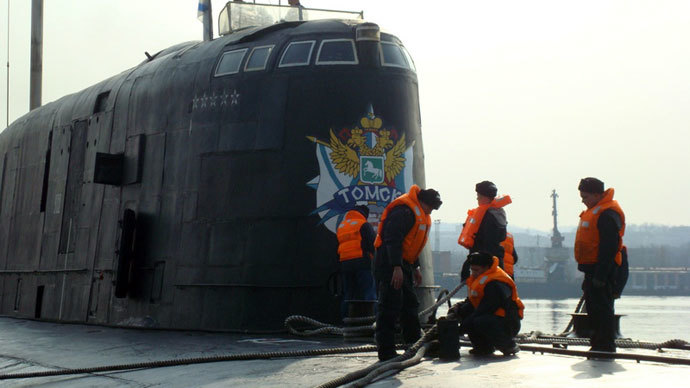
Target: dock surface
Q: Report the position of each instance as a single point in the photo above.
(31, 346)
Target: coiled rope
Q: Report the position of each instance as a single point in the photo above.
(319, 328)
(412, 356)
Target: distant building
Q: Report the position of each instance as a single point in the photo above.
(442, 262)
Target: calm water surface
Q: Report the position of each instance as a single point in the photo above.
(646, 318)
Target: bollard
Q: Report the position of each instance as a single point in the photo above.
(583, 329)
(449, 339)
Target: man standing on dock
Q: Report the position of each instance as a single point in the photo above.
(356, 252)
(485, 226)
(598, 245)
(402, 234)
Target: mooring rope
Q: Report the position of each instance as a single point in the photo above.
(198, 360)
(538, 338)
(366, 375)
(324, 328)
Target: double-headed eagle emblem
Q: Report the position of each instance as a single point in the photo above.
(346, 157)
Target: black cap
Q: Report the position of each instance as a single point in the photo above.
(486, 188)
(481, 258)
(363, 209)
(591, 185)
(430, 197)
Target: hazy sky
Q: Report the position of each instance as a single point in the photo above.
(533, 95)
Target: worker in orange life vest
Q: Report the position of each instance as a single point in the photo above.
(492, 312)
(598, 252)
(356, 251)
(510, 257)
(485, 227)
(402, 234)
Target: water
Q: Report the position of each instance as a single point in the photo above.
(646, 318)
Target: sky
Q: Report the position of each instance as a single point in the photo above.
(532, 95)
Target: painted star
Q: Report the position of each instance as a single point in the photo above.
(235, 97)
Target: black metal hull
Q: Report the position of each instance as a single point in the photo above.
(224, 178)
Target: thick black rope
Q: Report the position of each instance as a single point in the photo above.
(536, 338)
(399, 362)
(324, 328)
(394, 366)
(607, 355)
(189, 361)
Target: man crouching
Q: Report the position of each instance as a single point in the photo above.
(492, 312)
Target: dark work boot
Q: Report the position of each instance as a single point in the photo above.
(385, 356)
(482, 351)
(510, 350)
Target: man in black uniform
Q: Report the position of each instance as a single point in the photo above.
(356, 250)
(492, 312)
(403, 231)
(492, 227)
(598, 252)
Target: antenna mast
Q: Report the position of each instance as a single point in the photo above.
(556, 238)
(36, 80)
(7, 108)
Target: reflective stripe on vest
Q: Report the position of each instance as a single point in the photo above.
(475, 288)
(349, 236)
(587, 236)
(474, 220)
(416, 238)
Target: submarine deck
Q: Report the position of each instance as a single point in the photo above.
(32, 346)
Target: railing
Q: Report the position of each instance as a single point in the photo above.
(236, 16)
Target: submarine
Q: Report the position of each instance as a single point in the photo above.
(201, 188)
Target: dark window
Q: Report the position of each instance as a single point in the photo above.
(230, 62)
(297, 54)
(258, 58)
(337, 51)
(393, 55)
(409, 58)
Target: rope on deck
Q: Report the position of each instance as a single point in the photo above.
(315, 327)
(189, 361)
(538, 338)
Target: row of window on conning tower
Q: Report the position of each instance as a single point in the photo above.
(299, 53)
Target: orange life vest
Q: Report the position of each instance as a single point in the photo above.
(349, 236)
(508, 259)
(417, 236)
(476, 285)
(474, 219)
(587, 237)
